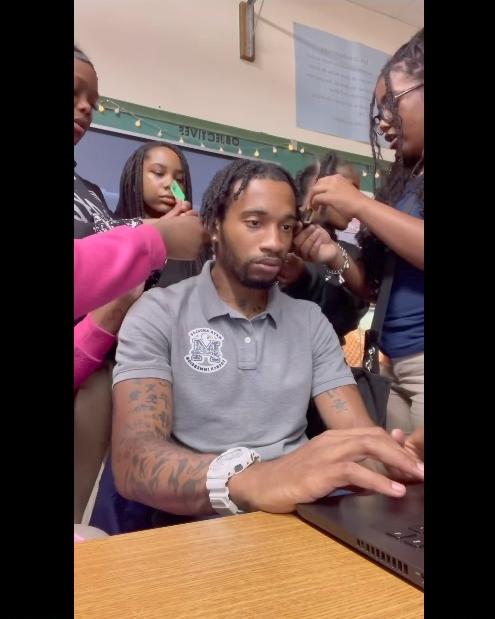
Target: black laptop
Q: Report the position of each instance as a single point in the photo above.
(387, 530)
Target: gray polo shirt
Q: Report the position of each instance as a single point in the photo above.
(235, 381)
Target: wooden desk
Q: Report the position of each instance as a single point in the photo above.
(248, 566)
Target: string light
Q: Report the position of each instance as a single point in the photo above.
(118, 110)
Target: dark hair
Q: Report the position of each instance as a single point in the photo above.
(219, 194)
(304, 177)
(80, 55)
(131, 201)
(409, 59)
(326, 166)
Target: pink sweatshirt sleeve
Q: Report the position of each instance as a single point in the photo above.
(91, 344)
(108, 264)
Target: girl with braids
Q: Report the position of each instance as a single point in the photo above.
(146, 179)
(392, 229)
(145, 193)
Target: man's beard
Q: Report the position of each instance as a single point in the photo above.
(231, 263)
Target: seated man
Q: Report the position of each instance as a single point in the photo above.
(214, 375)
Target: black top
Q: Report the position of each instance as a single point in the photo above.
(88, 201)
(342, 308)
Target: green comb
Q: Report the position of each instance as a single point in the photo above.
(177, 191)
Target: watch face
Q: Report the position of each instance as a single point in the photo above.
(237, 458)
(233, 455)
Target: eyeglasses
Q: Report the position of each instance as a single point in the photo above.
(383, 111)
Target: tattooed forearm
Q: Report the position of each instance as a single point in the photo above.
(343, 408)
(148, 465)
(163, 475)
(336, 401)
(151, 399)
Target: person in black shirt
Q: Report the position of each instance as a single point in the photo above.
(89, 203)
(311, 281)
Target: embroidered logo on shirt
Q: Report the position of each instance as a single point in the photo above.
(205, 355)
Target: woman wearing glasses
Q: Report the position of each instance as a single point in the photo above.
(392, 229)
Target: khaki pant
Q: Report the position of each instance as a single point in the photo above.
(92, 428)
(405, 409)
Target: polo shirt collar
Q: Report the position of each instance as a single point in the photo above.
(213, 306)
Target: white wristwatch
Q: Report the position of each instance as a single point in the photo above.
(222, 468)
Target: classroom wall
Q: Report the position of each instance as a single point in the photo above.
(183, 56)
